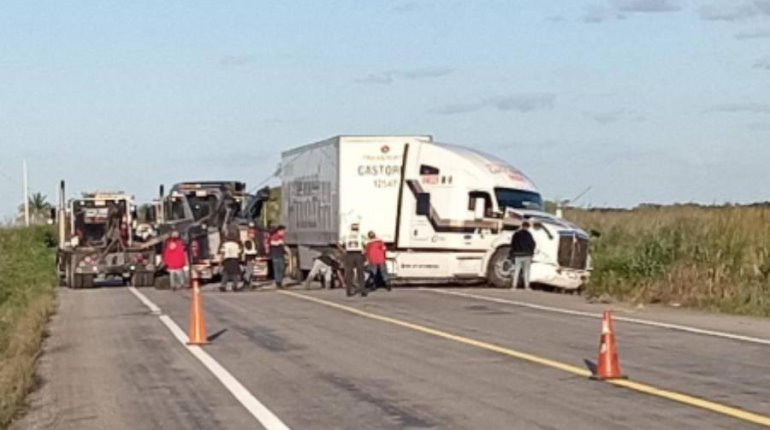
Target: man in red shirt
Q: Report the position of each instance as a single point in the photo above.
(175, 260)
(375, 256)
(277, 254)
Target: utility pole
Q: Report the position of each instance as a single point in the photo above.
(26, 192)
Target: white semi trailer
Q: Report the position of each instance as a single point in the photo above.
(446, 212)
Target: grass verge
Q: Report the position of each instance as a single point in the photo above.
(713, 258)
(27, 298)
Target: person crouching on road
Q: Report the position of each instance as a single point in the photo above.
(522, 250)
(277, 239)
(231, 264)
(175, 260)
(326, 266)
(375, 257)
(353, 260)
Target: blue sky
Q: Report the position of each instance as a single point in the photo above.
(644, 100)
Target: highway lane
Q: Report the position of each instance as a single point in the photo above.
(109, 364)
(303, 343)
(323, 367)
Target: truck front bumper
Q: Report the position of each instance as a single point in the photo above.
(549, 274)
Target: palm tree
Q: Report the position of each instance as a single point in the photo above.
(39, 209)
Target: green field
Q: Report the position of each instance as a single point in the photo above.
(27, 287)
(715, 258)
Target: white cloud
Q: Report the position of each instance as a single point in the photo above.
(763, 63)
(746, 107)
(237, 60)
(595, 14)
(647, 5)
(522, 102)
(390, 76)
(735, 10)
(754, 34)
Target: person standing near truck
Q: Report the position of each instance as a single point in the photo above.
(231, 264)
(277, 238)
(249, 261)
(522, 250)
(375, 258)
(175, 260)
(353, 261)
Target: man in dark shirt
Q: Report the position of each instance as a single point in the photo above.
(522, 250)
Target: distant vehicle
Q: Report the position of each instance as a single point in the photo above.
(97, 241)
(205, 213)
(446, 212)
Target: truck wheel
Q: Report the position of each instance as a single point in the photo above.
(146, 279)
(292, 264)
(72, 279)
(162, 282)
(67, 280)
(88, 281)
(77, 281)
(498, 271)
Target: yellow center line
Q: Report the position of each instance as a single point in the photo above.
(631, 385)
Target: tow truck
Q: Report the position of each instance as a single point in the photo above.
(97, 241)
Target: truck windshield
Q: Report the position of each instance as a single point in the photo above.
(202, 206)
(518, 199)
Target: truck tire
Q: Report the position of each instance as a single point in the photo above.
(88, 281)
(497, 268)
(162, 282)
(293, 270)
(67, 280)
(143, 279)
(136, 279)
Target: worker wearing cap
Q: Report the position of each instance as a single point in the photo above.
(175, 260)
(375, 258)
(352, 244)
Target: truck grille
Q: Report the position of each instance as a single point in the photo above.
(573, 251)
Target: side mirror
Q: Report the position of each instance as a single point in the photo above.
(595, 233)
(478, 209)
(53, 214)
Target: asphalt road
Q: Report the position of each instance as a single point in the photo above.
(410, 358)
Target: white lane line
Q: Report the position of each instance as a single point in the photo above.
(678, 327)
(256, 408)
(142, 298)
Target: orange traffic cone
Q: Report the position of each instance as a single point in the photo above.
(197, 333)
(608, 366)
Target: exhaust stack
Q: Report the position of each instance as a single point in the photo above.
(61, 217)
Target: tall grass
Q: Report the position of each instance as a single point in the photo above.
(710, 258)
(27, 281)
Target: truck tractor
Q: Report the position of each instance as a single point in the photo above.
(97, 241)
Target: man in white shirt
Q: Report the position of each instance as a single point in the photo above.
(231, 264)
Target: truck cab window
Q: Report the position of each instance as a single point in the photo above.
(428, 170)
(475, 195)
(176, 210)
(518, 199)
